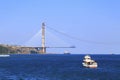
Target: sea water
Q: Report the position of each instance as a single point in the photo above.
(58, 67)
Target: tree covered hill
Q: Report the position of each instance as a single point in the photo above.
(6, 49)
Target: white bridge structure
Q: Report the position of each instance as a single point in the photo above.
(43, 47)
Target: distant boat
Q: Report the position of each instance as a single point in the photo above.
(4, 55)
(66, 52)
(88, 62)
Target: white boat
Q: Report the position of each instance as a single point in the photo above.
(4, 55)
(66, 52)
(88, 62)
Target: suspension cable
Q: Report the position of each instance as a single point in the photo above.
(82, 40)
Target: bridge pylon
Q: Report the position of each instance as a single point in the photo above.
(43, 49)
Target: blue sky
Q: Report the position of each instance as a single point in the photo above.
(95, 23)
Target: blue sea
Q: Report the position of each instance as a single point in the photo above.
(58, 67)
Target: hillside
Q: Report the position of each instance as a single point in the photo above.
(6, 50)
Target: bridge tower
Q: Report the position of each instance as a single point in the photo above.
(43, 49)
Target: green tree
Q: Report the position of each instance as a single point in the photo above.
(3, 50)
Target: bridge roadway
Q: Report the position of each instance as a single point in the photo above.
(30, 49)
(47, 47)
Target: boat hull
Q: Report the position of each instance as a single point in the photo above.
(90, 66)
(4, 55)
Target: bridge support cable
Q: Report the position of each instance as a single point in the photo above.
(82, 40)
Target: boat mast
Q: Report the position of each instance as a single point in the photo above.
(43, 39)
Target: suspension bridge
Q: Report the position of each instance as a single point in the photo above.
(41, 49)
(42, 41)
